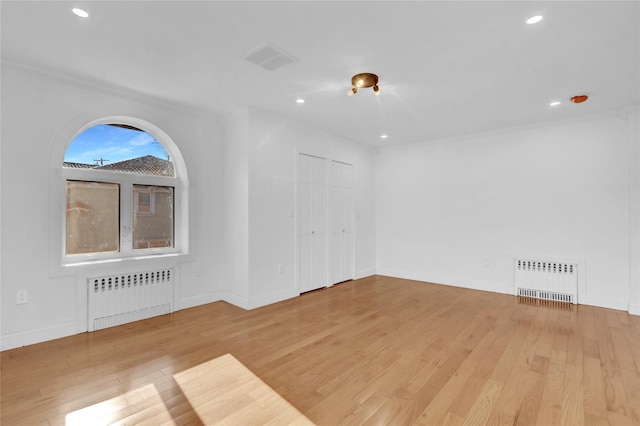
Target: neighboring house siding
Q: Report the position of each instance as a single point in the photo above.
(155, 229)
(92, 217)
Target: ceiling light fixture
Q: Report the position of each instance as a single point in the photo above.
(364, 80)
(383, 136)
(80, 12)
(300, 101)
(554, 103)
(534, 19)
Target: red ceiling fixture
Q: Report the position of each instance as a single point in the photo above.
(578, 99)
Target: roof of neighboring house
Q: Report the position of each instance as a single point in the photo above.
(147, 165)
(71, 165)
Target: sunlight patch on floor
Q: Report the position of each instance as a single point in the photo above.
(221, 390)
(111, 410)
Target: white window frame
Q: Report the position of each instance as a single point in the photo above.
(126, 181)
(127, 209)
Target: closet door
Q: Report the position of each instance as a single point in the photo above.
(341, 222)
(312, 233)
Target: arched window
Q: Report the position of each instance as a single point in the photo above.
(122, 194)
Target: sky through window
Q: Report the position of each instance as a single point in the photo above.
(108, 144)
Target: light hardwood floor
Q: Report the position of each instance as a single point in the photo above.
(374, 351)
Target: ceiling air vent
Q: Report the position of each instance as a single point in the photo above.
(269, 57)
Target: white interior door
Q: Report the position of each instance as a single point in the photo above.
(312, 220)
(341, 222)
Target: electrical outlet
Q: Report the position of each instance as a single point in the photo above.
(485, 263)
(22, 296)
(281, 268)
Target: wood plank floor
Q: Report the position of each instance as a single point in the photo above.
(374, 351)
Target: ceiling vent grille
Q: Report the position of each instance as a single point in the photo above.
(269, 57)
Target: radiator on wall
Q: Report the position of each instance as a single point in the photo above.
(549, 280)
(123, 298)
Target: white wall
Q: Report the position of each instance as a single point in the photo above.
(273, 147)
(633, 119)
(40, 115)
(443, 208)
(236, 209)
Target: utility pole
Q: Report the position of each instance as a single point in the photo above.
(100, 160)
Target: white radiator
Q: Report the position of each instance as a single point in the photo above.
(123, 298)
(556, 281)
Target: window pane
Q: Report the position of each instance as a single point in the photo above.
(152, 216)
(118, 148)
(93, 219)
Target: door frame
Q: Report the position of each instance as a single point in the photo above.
(328, 265)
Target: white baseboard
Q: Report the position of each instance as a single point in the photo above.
(604, 303)
(506, 289)
(273, 298)
(235, 300)
(202, 299)
(503, 288)
(363, 273)
(16, 340)
(395, 274)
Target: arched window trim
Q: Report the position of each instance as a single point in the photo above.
(181, 194)
(162, 137)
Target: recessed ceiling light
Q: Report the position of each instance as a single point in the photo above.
(80, 12)
(383, 136)
(534, 19)
(554, 103)
(300, 101)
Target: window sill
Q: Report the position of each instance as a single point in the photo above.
(144, 258)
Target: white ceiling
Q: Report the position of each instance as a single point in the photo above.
(446, 68)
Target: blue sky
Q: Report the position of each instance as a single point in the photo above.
(113, 144)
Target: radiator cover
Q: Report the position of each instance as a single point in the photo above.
(123, 298)
(548, 280)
